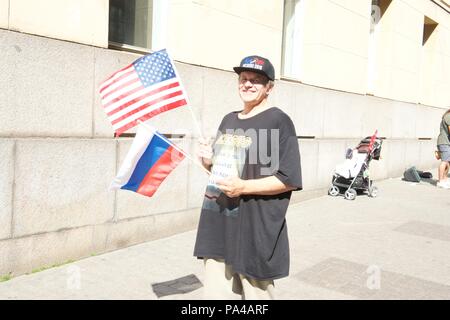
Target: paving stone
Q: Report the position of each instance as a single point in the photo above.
(352, 279)
(424, 229)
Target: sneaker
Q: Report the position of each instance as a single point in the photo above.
(444, 184)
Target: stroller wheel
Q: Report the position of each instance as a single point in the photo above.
(373, 191)
(333, 191)
(350, 194)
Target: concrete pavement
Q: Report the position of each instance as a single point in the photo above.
(395, 246)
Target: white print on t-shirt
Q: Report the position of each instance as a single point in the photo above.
(229, 157)
(258, 153)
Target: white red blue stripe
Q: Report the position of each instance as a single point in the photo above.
(141, 90)
(149, 161)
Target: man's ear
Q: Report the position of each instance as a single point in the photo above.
(270, 88)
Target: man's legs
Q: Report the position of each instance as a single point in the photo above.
(257, 289)
(223, 283)
(220, 282)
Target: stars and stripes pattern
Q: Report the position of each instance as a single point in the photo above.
(141, 90)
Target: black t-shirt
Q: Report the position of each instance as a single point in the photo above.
(250, 231)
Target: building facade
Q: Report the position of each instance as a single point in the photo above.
(344, 69)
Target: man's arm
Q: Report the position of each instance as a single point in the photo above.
(234, 186)
(205, 153)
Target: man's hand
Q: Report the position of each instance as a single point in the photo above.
(232, 186)
(205, 152)
(235, 187)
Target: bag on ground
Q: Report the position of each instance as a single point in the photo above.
(411, 175)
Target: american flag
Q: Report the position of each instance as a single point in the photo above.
(141, 90)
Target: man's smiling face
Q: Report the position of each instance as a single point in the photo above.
(253, 87)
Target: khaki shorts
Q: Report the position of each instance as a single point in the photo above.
(221, 282)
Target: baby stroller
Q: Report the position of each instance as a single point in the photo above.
(353, 175)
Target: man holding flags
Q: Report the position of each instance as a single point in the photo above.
(255, 165)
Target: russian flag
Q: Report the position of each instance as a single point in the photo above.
(149, 161)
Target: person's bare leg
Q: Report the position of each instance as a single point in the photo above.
(446, 170)
(443, 171)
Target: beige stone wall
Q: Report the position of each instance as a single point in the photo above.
(333, 39)
(435, 59)
(219, 33)
(334, 44)
(83, 21)
(406, 69)
(398, 44)
(4, 13)
(435, 73)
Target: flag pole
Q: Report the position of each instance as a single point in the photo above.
(196, 123)
(175, 147)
